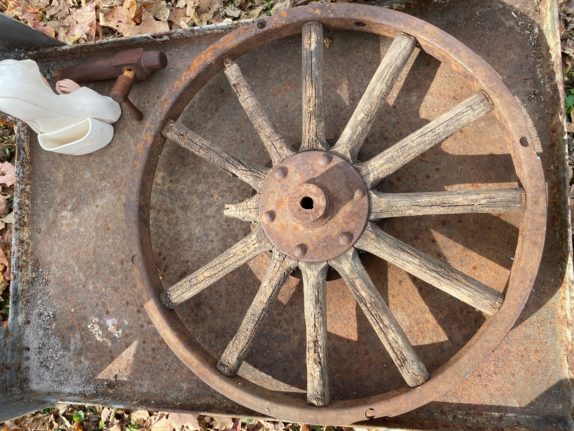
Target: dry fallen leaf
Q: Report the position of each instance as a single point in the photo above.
(187, 420)
(222, 422)
(9, 218)
(8, 176)
(232, 11)
(159, 10)
(162, 425)
(139, 417)
(58, 10)
(4, 267)
(121, 19)
(106, 4)
(253, 13)
(179, 19)
(206, 11)
(3, 205)
(84, 24)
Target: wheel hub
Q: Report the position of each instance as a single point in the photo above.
(313, 206)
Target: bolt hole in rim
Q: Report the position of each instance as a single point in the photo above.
(528, 168)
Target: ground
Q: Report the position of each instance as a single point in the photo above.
(75, 21)
(90, 418)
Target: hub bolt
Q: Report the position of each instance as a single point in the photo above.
(325, 159)
(269, 216)
(345, 238)
(300, 251)
(359, 194)
(281, 172)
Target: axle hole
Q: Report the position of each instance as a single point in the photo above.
(524, 142)
(306, 203)
(261, 24)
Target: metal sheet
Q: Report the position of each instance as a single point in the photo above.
(81, 334)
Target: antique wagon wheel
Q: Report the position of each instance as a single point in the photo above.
(316, 207)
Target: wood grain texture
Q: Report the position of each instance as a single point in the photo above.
(385, 205)
(374, 97)
(277, 272)
(315, 303)
(313, 136)
(349, 266)
(247, 210)
(433, 133)
(433, 271)
(274, 143)
(247, 172)
(240, 253)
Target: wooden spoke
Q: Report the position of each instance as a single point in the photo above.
(249, 173)
(278, 271)
(390, 160)
(358, 127)
(379, 315)
(242, 252)
(248, 210)
(275, 145)
(433, 271)
(313, 115)
(385, 205)
(315, 301)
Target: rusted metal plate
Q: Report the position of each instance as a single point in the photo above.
(76, 286)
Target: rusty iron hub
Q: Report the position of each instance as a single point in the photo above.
(314, 206)
(291, 198)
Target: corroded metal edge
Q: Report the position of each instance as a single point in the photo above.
(139, 41)
(551, 29)
(11, 351)
(530, 243)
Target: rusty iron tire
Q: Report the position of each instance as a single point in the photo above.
(383, 22)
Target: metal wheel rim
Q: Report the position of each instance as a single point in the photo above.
(528, 252)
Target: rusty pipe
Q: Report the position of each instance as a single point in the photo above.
(143, 63)
(126, 67)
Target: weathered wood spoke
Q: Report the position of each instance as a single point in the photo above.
(433, 271)
(359, 125)
(313, 136)
(315, 302)
(274, 143)
(433, 133)
(243, 251)
(247, 210)
(349, 266)
(385, 205)
(247, 172)
(234, 354)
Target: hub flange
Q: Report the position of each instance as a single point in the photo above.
(313, 206)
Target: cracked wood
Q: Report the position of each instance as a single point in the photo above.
(349, 266)
(385, 205)
(247, 172)
(433, 133)
(240, 253)
(356, 130)
(312, 65)
(277, 272)
(433, 271)
(315, 304)
(274, 143)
